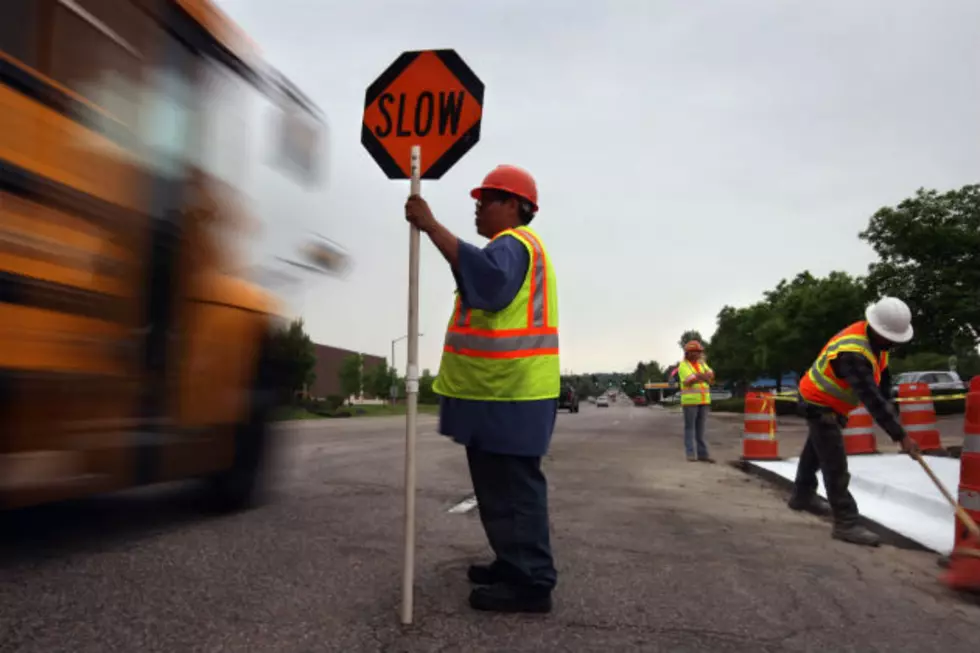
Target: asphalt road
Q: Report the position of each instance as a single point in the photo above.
(654, 554)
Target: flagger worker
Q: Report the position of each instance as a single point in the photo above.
(852, 369)
(695, 382)
(499, 382)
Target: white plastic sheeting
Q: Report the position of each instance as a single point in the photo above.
(894, 491)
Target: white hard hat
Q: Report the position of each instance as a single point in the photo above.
(891, 318)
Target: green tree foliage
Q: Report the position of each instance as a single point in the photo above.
(378, 380)
(929, 255)
(426, 394)
(784, 332)
(351, 381)
(648, 372)
(295, 355)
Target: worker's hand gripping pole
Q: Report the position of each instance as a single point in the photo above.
(411, 397)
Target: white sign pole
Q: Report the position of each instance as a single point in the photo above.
(411, 397)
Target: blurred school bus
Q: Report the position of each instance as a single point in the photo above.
(133, 350)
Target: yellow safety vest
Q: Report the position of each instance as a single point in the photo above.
(512, 354)
(697, 393)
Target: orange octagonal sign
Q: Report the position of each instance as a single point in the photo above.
(429, 98)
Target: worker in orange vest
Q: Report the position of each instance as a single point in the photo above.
(849, 372)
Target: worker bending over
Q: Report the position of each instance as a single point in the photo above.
(499, 379)
(852, 369)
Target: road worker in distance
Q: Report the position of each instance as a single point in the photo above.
(852, 369)
(500, 379)
(695, 382)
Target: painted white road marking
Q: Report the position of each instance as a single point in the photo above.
(464, 506)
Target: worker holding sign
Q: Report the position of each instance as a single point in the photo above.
(499, 379)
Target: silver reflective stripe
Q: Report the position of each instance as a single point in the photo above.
(501, 344)
(970, 499)
(538, 295)
(695, 391)
(759, 417)
(916, 408)
(919, 428)
(971, 443)
(828, 387)
(756, 436)
(861, 430)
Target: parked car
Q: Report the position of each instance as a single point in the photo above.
(602, 401)
(568, 399)
(940, 382)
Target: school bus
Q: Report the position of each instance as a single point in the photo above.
(133, 348)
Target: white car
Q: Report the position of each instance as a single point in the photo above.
(602, 402)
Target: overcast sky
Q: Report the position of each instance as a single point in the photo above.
(688, 154)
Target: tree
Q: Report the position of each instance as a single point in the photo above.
(784, 332)
(295, 355)
(648, 372)
(929, 251)
(426, 394)
(689, 335)
(378, 380)
(350, 375)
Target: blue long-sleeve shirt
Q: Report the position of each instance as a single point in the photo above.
(488, 279)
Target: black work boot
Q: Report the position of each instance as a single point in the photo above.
(810, 503)
(484, 574)
(855, 534)
(510, 598)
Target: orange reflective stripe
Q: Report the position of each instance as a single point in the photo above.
(537, 305)
(505, 333)
(524, 353)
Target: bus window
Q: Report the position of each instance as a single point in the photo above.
(224, 109)
(18, 30)
(102, 63)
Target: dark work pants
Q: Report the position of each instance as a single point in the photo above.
(824, 451)
(512, 496)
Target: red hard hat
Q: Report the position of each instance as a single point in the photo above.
(510, 179)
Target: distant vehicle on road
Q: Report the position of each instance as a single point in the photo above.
(602, 401)
(640, 400)
(568, 399)
(940, 382)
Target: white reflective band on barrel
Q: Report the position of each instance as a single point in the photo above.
(970, 499)
(498, 344)
(971, 444)
(918, 428)
(860, 410)
(917, 407)
(860, 430)
(759, 417)
(756, 436)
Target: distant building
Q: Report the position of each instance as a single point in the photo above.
(328, 363)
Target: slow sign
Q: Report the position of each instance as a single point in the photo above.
(428, 98)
